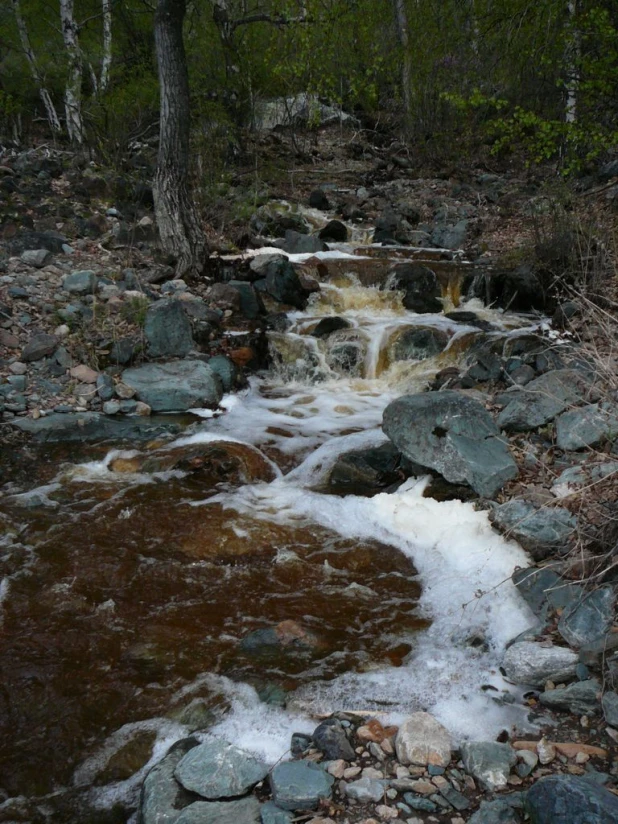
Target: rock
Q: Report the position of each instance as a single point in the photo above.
(580, 698)
(330, 738)
(296, 109)
(330, 324)
(224, 296)
(528, 662)
(540, 530)
(91, 427)
(39, 346)
(295, 243)
(250, 306)
(240, 811)
(610, 708)
(84, 373)
(175, 386)
(490, 763)
(454, 797)
(283, 284)
(418, 803)
(365, 790)
(271, 814)
(368, 471)
(541, 588)
(318, 200)
(542, 399)
(422, 740)
(123, 351)
(37, 240)
(335, 232)
(227, 371)
(589, 617)
(589, 426)
(36, 257)
(417, 343)
(167, 330)
(450, 237)
(495, 812)
(452, 434)
(566, 799)
(300, 785)
(80, 283)
(420, 287)
(162, 798)
(518, 289)
(217, 769)
(300, 743)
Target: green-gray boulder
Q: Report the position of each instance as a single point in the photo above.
(175, 386)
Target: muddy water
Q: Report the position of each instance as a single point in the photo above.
(128, 576)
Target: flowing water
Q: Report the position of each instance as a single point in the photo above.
(133, 586)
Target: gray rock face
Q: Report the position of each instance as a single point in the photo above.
(538, 530)
(538, 586)
(581, 698)
(217, 769)
(80, 283)
(543, 399)
(527, 662)
(422, 740)
(580, 428)
(490, 763)
(242, 811)
(452, 434)
(39, 346)
(330, 738)
(162, 797)
(566, 799)
(365, 789)
(176, 386)
(588, 618)
(271, 814)
(610, 708)
(168, 330)
(299, 785)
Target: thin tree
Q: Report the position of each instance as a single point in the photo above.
(403, 35)
(177, 219)
(73, 88)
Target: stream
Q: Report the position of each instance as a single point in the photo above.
(141, 601)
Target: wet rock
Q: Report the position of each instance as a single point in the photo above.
(527, 662)
(318, 200)
(417, 344)
(346, 357)
(167, 330)
(589, 426)
(271, 814)
(80, 283)
(300, 743)
(386, 227)
(162, 797)
(234, 463)
(91, 427)
(300, 785)
(543, 399)
(368, 471)
(227, 370)
(422, 740)
(420, 286)
(250, 304)
(175, 386)
(328, 325)
(490, 763)
(335, 232)
(217, 769)
(518, 290)
(495, 812)
(454, 435)
(365, 790)
(566, 799)
(282, 283)
(39, 346)
(539, 530)
(36, 257)
(286, 635)
(240, 811)
(330, 738)
(589, 617)
(295, 243)
(610, 708)
(580, 698)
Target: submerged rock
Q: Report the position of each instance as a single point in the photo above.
(217, 769)
(300, 785)
(539, 530)
(454, 435)
(566, 799)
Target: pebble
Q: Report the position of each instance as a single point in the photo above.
(351, 772)
(546, 751)
(337, 768)
(387, 813)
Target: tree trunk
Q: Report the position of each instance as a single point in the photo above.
(572, 55)
(107, 45)
(403, 34)
(177, 219)
(73, 88)
(50, 109)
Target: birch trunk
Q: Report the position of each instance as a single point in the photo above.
(572, 53)
(177, 219)
(107, 45)
(50, 109)
(73, 88)
(403, 34)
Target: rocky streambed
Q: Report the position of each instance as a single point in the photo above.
(334, 484)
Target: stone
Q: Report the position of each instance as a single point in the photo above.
(367, 471)
(330, 738)
(420, 287)
(318, 200)
(589, 617)
(422, 740)
(167, 330)
(330, 324)
(387, 813)
(105, 387)
(417, 343)
(454, 797)
(39, 346)
(418, 803)
(227, 371)
(296, 243)
(217, 769)
(175, 386)
(80, 283)
(542, 399)
(271, 814)
(162, 797)
(84, 373)
(36, 257)
(586, 427)
(365, 790)
(488, 762)
(240, 811)
(518, 289)
(335, 232)
(610, 708)
(495, 812)
(528, 662)
(565, 799)
(540, 530)
(283, 284)
(300, 785)
(580, 698)
(250, 304)
(91, 427)
(452, 434)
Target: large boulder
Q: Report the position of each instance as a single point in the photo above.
(420, 287)
(568, 799)
(175, 386)
(163, 798)
(217, 769)
(300, 785)
(543, 399)
(417, 343)
(296, 243)
(589, 426)
(587, 618)
(538, 530)
(453, 434)
(528, 662)
(282, 283)
(168, 330)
